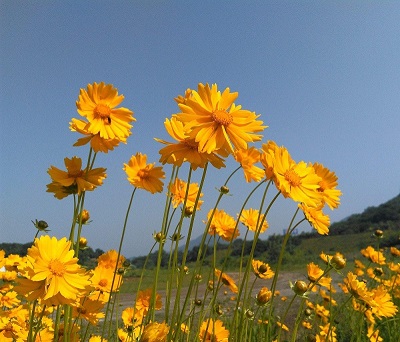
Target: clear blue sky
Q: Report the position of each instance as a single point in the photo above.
(324, 76)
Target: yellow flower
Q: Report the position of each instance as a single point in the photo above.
(263, 296)
(247, 158)
(315, 275)
(296, 180)
(382, 304)
(97, 143)
(155, 332)
(252, 218)
(262, 270)
(267, 158)
(373, 255)
(55, 271)
(226, 280)
(74, 180)
(222, 224)
(185, 149)
(90, 310)
(394, 251)
(178, 192)
(282, 326)
(97, 104)
(109, 260)
(216, 123)
(144, 176)
(357, 288)
(97, 339)
(323, 334)
(143, 301)
(373, 334)
(315, 216)
(132, 317)
(102, 279)
(327, 186)
(213, 331)
(9, 299)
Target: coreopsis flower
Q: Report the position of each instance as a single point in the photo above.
(382, 305)
(263, 296)
(222, 224)
(374, 255)
(316, 217)
(178, 192)
(282, 326)
(395, 251)
(155, 332)
(315, 275)
(132, 319)
(185, 149)
(247, 159)
(144, 176)
(53, 271)
(109, 260)
(98, 105)
(102, 279)
(226, 280)
(306, 325)
(74, 180)
(252, 219)
(97, 143)
(373, 334)
(323, 334)
(327, 186)
(143, 301)
(358, 288)
(9, 299)
(262, 270)
(297, 181)
(213, 331)
(10, 330)
(97, 338)
(216, 123)
(267, 158)
(89, 310)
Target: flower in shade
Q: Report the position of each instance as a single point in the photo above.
(144, 176)
(261, 269)
(90, 310)
(213, 331)
(247, 159)
(185, 149)
(143, 301)
(316, 217)
(357, 288)
(74, 180)
(226, 280)
(267, 157)
(98, 105)
(297, 181)
(178, 192)
(53, 272)
(252, 219)
(223, 224)
(98, 143)
(327, 186)
(105, 279)
(155, 332)
(109, 260)
(216, 123)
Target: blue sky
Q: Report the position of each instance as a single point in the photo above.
(324, 76)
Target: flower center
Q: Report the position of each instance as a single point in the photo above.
(143, 173)
(292, 177)
(103, 282)
(103, 111)
(190, 143)
(57, 268)
(222, 117)
(322, 186)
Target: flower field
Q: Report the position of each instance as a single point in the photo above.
(48, 295)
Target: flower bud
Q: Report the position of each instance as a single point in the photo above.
(378, 271)
(188, 211)
(198, 277)
(338, 262)
(40, 225)
(308, 312)
(300, 287)
(198, 302)
(85, 216)
(218, 310)
(249, 314)
(224, 189)
(82, 242)
(378, 233)
(263, 296)
(159, 237)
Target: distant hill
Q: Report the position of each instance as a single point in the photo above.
(385, 217)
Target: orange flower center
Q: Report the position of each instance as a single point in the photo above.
(190, 143)
(103, 111)
(322, 186)
(292, 177)
(103, 282)
(57, 268)
(222, 117)
(143, 173)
